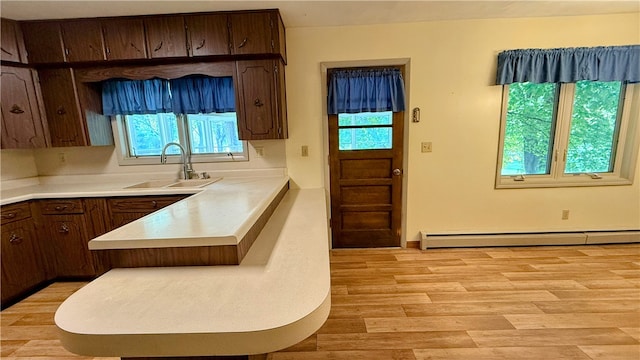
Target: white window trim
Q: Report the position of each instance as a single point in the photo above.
(125, 159)
(626, 156)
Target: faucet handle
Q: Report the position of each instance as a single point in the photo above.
(205, 175)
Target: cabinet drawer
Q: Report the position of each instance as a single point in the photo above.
(15, 212)
(63, 206)
(140, 204)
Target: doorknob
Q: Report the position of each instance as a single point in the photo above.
(397, 172)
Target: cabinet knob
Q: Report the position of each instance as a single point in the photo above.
(15, 109)
(15, 239)
(243, 43)
(9, 215)
(258, 103)
(154, 203)
(61, 111)
(63, 228)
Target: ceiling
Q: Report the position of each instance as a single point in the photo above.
(302, 13)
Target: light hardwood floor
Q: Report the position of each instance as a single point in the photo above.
(578, 302)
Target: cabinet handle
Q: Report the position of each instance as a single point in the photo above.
(258, 103)
(61, 111)
(154, 203)
(5, 51)
(63, 228)
(135, 47)
(60, 208)
(15, 239)
(9, 215)
(201, 44)
(15, 109)
(243, 43)
(158, 47)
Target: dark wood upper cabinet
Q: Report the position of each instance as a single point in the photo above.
(166, 36)
(207, 35)
(62, 107)
(11, 43)
(261, 103)
(43, 41)
(23, 122)
(260, 32)
(82, 40)
(124, 39)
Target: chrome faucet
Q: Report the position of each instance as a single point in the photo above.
(187, 168)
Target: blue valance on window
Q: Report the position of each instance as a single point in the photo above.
(365, 90)
(203, 94)
(611, 63)
(129, 97)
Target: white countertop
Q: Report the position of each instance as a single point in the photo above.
(218, 214)
(276, 297)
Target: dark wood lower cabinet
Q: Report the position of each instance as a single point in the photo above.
(22, 267)
(68, 238)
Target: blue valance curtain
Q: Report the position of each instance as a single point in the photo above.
(610, 63)
(365, 90)
(193, 95)
(189, 95)
(128, 97)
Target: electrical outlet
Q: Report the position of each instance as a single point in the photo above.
(62, 158)
(565, 214)
(305, 150)
(426, 147)
(259, 151)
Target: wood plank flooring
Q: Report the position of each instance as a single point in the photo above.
(573, 302)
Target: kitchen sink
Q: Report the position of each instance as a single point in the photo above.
(191, 183)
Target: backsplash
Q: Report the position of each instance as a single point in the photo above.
(17, 164)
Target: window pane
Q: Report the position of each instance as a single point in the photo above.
(149, 133)
(593, 126)
(365, 138)
(214, 133)
(363, 119)
(529, 131)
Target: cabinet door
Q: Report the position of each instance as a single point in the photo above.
(257, 92)
(69, 241)
(251, 33)
(21, 264)
(43, 41)
(62, 107)
(82, 40)
(124, 39)
(11, 41)
(166, 36)
(23, 124)
(207, 35)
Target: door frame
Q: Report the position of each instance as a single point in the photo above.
(404, 62)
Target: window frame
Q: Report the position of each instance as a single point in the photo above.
(625, 154)
(126, 158)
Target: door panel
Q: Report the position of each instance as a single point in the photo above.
(366, 183)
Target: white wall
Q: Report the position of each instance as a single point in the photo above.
(452, 72)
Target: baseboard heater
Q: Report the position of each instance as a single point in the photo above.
(430, 241)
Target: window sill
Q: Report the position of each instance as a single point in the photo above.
(508, 182)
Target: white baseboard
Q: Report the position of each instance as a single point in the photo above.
(428, 241)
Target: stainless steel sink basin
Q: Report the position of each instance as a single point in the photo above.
(155, 184)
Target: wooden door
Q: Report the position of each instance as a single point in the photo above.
(23, 125)
(83, 40)
(62, 107)
(365, 153)
(207, 35)
(124, 39)
(166, 36)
